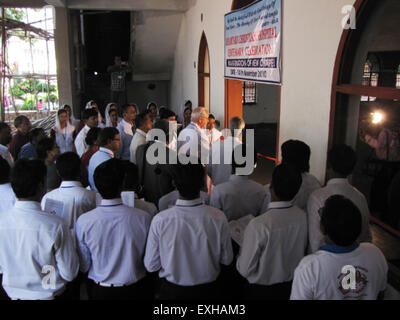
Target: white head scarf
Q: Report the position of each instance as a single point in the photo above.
(150, 103)
(180, 115)
(72, 120)
(107, 114)
(69, 129)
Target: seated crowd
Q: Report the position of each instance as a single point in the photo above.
(85, 207)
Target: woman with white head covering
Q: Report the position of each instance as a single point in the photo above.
(63, 132)
(152, 107)
(109, 107)
(72, 120)
(92, 104)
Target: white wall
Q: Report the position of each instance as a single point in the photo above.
(184, 77)
(311, 35)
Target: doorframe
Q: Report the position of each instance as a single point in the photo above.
(203, 48)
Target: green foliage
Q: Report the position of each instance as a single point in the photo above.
(15, 14)
(29, 104)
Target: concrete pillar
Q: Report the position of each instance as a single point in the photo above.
(63, 57)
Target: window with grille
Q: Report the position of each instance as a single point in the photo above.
(370, 78)
(398, 78)
(249, 92)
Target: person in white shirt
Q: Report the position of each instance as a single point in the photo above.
(219, 167)
(89, 116)
(143, 126)
(275, 242)
(93, 105)
(341, 162)
(109, 123)
(71, 119)
(109, 142)
(193, 140)
(5, 139)
(34, 243)
(239, 196)
(126, 130)
(69, 168)
(297, 153)
(112, 240)
(8, 197)
(188, 243)
(169, 200)
(213, 133)
(342, 269)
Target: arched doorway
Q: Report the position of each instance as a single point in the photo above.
(204, 73)
(365, 104)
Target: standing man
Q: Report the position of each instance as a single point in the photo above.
(143, 125)
(109, 142)
(118, 73)
(126, 131)
(23, 126)
(89, 116)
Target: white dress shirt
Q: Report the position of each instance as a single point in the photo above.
(169, 200)
(194, 142)
(188, 242)
(317, 201)
(238, 197)
(308, 186)
(102, 155)
(80, 143)
(138, 139)
(126, 135)
(214, 135)
(148, 207)
(5, 154)
(319, 276)
(30, 242)
(8, 197)
(219, 167)
(273, 245)
(84, 200)
(112, 241)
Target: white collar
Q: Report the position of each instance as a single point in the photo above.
(280, 205)
(3, 147)
(126, 124)
(111, 202)
(338, 181)
(70, 184)
(28, 205)
(141, 132)
(105, 150)
(189, 203)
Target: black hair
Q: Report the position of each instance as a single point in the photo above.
(297, 153)
(112, 110)
(131, 179)
(140, 120)
(4, 171)
(87, 113)
(342, 159)
(211, 116)
(286, 181)
(68, 166)
(34, 133)
(164, 126)
(26, 177)
(187, 108)
(61, 111)
(189, 179)
(241, 150)
(126, 106)
(92, 136)
(106, 135)
(187, 102)
(3, 125)
(109, 178)
(341, 220)
(19, 120)
(45, 145)
(166, 113)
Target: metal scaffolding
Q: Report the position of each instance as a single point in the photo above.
(30, 33)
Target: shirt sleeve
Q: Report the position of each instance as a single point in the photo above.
(249, 256)
(152, 260)
(85, 258)
(215, 199)
(65, 254)
(316, 238)
(302, 284)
